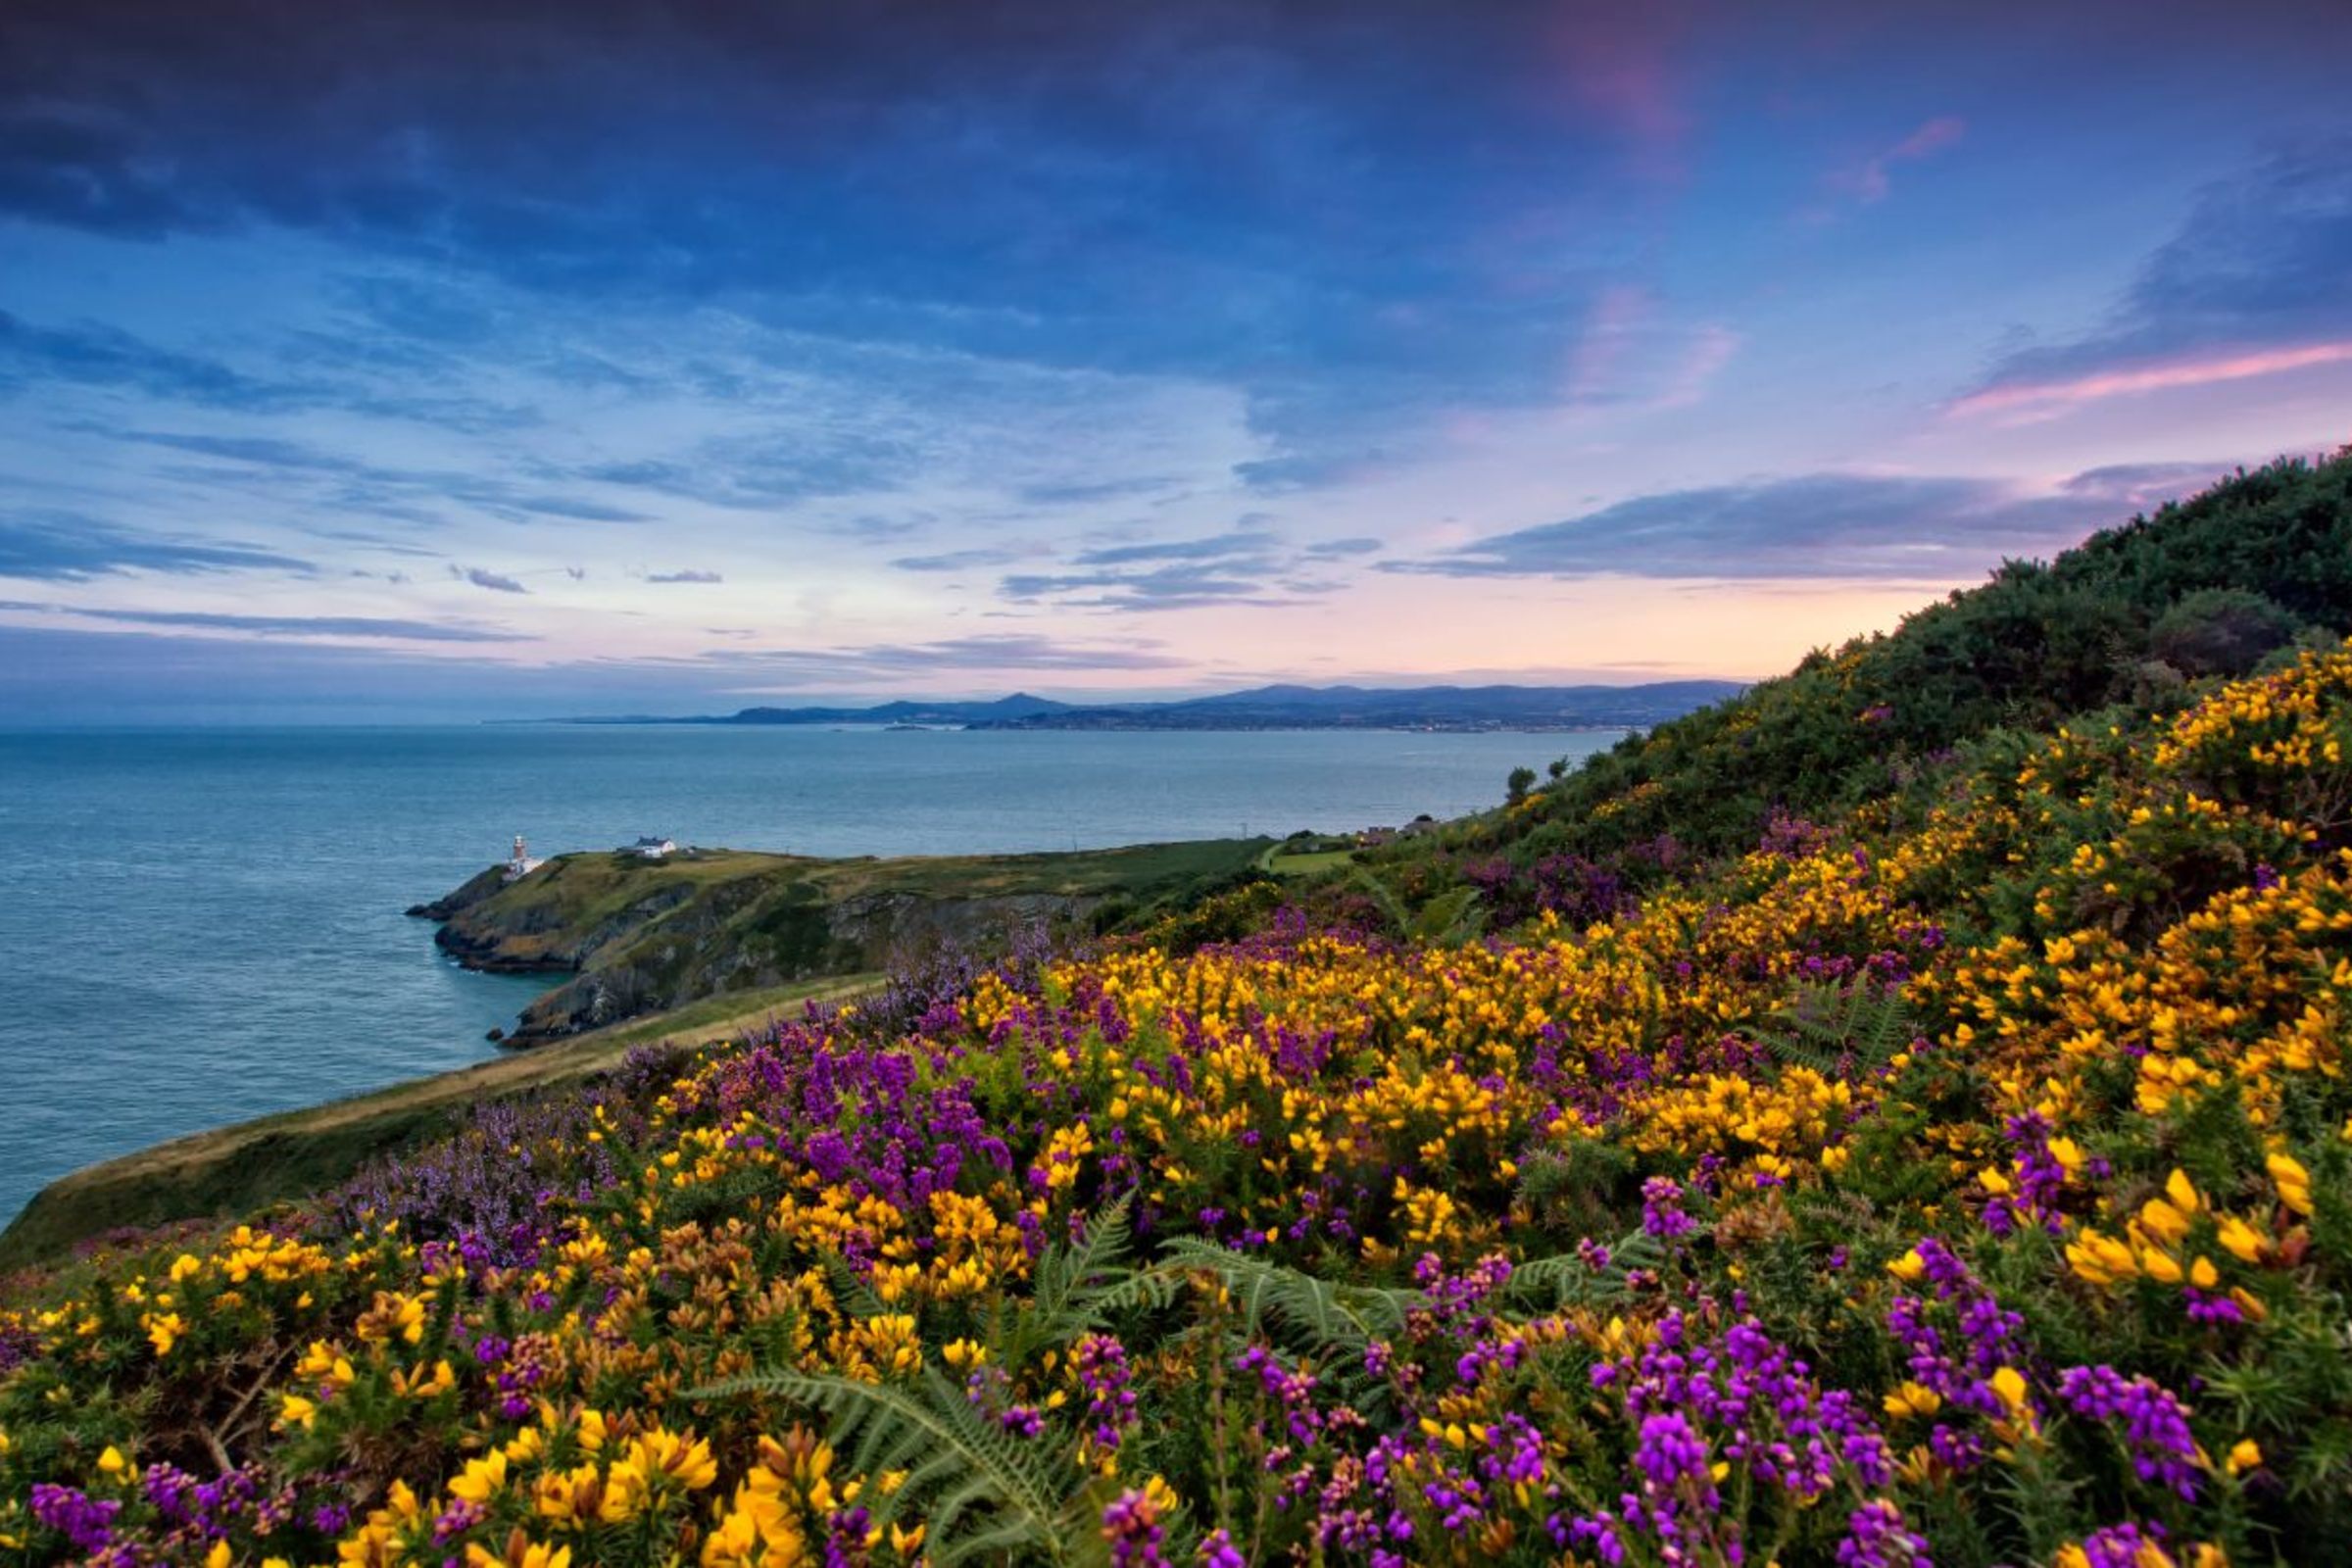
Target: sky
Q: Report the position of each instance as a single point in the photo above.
(503, 358)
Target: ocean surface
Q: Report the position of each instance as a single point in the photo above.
(204, 925)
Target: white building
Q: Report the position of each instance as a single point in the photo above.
(653, 849)
(521, 864)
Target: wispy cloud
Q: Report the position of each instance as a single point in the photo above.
(69, 546)
(1837, 526)
(1240, 544)
(340, 626)
(2257, 281)
(1629, 354)
(352, 484)
(687, 576)
(98, 355)
(2049, 397)
(980, 556)
(1251, 565)
(1872, 179)
(961, 657)
(1342, 549)
(494, 582)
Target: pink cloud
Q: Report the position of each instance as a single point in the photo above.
(1617, 315)
(1712, 348)
(1872, 179)
(1621, 66)
(2046, 398)
(1626, 356)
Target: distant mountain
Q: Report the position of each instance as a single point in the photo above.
(1446, 707)
(1020, 704)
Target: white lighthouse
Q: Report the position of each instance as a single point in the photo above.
(519, 864)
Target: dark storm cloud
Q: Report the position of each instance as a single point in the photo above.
(1822, 525)
(69, 546)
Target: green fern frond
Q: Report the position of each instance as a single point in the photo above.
(1344, 1317)
(979, 1490)
(855, 1296)
(1567, 1280)
(1840, 1030)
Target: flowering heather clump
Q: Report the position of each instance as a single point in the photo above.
(1558, 1246)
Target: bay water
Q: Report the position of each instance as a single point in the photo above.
(203, 925)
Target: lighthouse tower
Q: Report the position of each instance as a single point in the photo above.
(520, 864)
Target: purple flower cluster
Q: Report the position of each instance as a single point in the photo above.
(1131, 1525)
(1217, 1551)
(1100, 1365)
(1294, 1393)
(1662, 1213)
(85, 1521)
(1877, 1538)
(2154, 1422)
(2125, 1546)
(1742, 1401)
(1953, 1340)
(2038, 1184)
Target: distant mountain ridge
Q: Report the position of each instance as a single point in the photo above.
(1281, 707)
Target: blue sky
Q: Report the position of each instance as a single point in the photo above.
(451, 359)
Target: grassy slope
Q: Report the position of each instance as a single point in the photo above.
(242, 1168)
(235, 1169)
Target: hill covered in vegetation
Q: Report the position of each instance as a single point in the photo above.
(1943, 1153)
(2205, 587)
(637, 936)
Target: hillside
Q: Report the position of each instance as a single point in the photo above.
(1942, 1155)
(2204, 587)
(639, 936)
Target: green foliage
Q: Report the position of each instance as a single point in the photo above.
(983, 1494)
(2224, 576)
(1450, 919)
(2220, 631)
(1842, 1031)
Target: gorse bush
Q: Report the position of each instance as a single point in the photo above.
(1961, 1176)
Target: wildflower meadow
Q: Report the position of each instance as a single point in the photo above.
(1962, 1178)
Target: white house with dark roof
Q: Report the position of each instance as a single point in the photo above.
(651, 847)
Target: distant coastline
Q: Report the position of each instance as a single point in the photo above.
(1434, 709)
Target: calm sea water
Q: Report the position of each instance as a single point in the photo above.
(203, 925)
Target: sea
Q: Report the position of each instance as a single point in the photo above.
(203, 925)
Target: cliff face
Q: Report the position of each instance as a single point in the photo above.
(642, 936)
